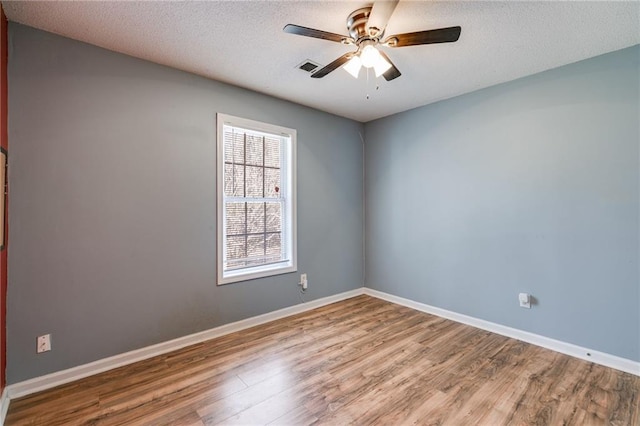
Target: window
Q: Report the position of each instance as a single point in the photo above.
(256, 199)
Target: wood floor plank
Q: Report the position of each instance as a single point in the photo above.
(359, 361)
(299, 416)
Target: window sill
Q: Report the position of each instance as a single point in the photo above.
(255, 273)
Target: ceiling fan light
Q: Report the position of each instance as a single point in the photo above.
(353, 66)
(369, 55)
(381, 66)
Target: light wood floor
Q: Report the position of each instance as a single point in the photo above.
(360, 361)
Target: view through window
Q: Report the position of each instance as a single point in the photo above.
(256, 201)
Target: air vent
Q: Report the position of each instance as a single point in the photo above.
(308, 66)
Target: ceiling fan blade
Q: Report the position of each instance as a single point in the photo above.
(379, 17)
(442, 35)
(392, 72)
(333, 65)
(310, 32)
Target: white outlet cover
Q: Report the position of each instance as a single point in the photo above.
(525, 300)
(43, 343)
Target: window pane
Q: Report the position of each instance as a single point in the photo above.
(274, 217)
(233, 180)
(254, 150)
(255, 181)
(236, 248)
(274, 246)
(236, 219)
(228, 146)
(255, 248)
(255, 217)
(228, 179)
(272, 152)
(233, 147)
(272, 184)
(238, 181)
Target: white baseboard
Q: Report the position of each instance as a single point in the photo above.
(612, 361)
(4, 405)
(49, 381)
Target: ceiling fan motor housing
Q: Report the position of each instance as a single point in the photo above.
(357, 26)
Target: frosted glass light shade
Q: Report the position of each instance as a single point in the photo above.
(369, 56)
(381, 66)
(372, 58)
(353, 66)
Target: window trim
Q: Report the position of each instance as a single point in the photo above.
(267, 270)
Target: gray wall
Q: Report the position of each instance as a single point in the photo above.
(530, 186)
(112, 214)
(527, 186)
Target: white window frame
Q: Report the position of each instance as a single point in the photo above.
(289, 231)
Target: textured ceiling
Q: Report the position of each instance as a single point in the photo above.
(242, 43)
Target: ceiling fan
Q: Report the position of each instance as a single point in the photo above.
(366, 30)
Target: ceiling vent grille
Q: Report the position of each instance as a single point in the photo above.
(308, 66)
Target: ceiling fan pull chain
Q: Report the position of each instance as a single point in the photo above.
(367, 83)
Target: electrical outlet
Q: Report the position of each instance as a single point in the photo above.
(303, 281)
(44, 343)
(525, 300)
